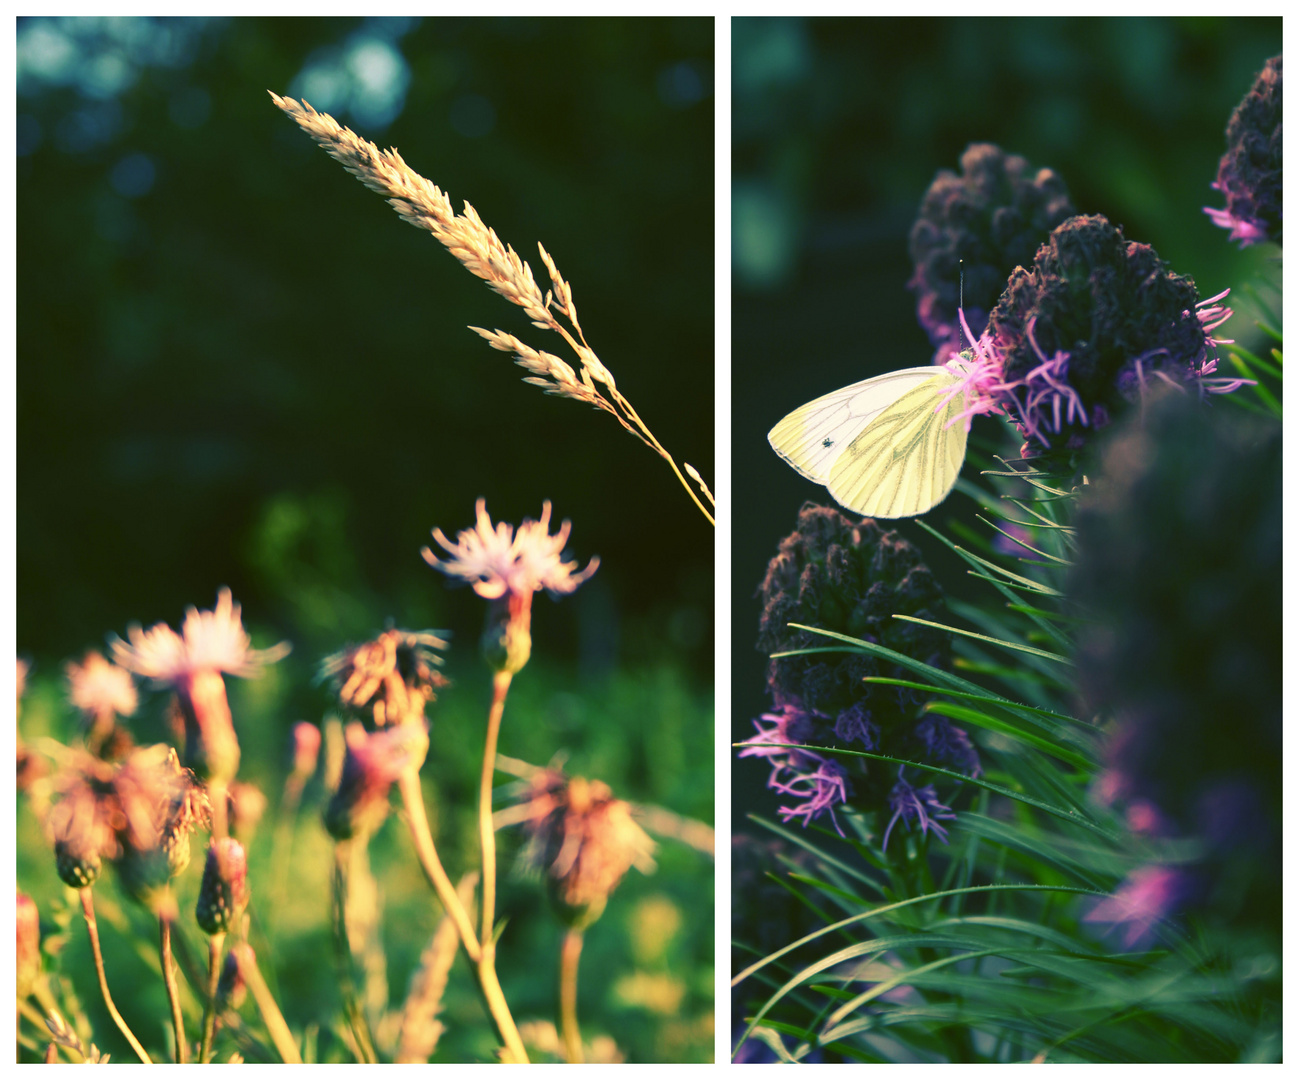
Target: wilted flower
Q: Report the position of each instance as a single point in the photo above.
(850, 578)
(27, 957)
(1179, 567)
(507, 568)
(1249, 174)
(1146, 898)
(191, 663)
(373, 762)
(102, 692)
(224, 892)
(395, 675)
(1095, 324)
(987, 221)
(585, 840)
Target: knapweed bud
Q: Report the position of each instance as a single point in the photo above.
(224, 891)
(507, 637)
(231, 988)
(78, 868)
(373, 761)
(28, 955)
(305, 747)
(245, 805)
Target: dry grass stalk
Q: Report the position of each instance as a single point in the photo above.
(420, 1028)
(478, 248)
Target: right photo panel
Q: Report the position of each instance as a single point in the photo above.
(1006, 568)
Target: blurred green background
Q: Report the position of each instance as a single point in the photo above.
(237, 366)
(839, 126)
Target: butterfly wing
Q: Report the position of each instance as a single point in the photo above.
(814, 435)
(906, 459)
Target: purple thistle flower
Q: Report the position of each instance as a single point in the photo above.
(820, 789)
(920, 804)
(1249, 174)
(1147, 897)
(790, 725)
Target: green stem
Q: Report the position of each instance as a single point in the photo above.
(343, 954)
(486, 828)
(209, 1010)
(173, 992)
(426, 851)
(92, 928)
(569, 954)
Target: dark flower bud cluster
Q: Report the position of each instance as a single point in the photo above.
(1093, 325)
(224, 892)
(851, 578)
(1179, 566)
(1249, 174)
(991, 218)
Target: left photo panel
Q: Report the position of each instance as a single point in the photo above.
(364, 540)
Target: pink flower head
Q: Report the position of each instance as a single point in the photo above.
(497, 560)
(96, 686)
(1149, 895)
(209, 641)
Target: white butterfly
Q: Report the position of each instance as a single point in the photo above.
(885, 447)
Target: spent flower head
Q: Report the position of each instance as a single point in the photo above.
(391, 678)
(1249, 174)
(585, 840)
(986, 221)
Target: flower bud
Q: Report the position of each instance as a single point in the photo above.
(76, 867)
(224, 891)
(507, 637)
(306, 749)
(372, 763)
(231, 988)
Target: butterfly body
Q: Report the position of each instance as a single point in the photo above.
(889, 446)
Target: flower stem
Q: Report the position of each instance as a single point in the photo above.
(343, 953)
(497, 1006)
(92, 929)
(417, 821)
(169, 980)
(486, 829)
(209, 1010)
(569, 953)
(271, 1015)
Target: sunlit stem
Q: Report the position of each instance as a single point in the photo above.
(92, 928)
(173, 991)
(486, 828)
(343, 953)
(569, 954)
(417, 821)
(271, 1015)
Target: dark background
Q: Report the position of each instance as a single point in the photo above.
(238, 366)
(840, 125)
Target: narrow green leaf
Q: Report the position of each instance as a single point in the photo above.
(994, 641)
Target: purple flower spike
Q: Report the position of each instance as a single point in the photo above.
(1249, 174)
(921, 804)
